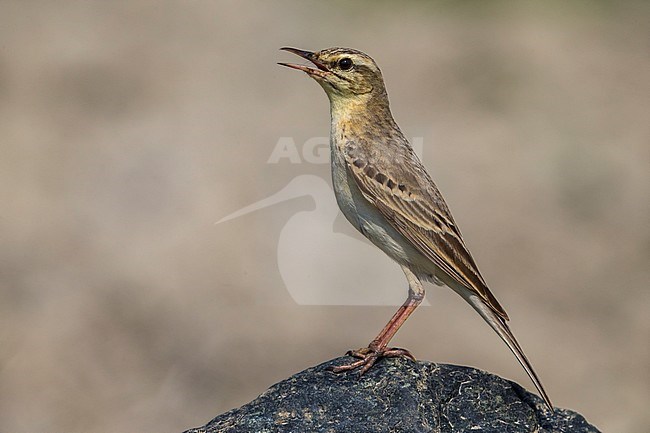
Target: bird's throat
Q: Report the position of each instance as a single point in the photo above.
(357, 117)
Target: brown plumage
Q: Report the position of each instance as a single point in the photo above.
(386, 193)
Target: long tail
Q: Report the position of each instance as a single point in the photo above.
(501, 328)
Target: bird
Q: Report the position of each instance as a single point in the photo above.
(386, 193)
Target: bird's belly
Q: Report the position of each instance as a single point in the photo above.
(366, 218)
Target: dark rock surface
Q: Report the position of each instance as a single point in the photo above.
(396, 395)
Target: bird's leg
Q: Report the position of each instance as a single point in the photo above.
(378, 348)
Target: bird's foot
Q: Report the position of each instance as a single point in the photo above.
(368, 356)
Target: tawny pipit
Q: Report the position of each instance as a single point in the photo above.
(386, 193)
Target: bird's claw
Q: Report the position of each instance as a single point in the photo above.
(368, 356)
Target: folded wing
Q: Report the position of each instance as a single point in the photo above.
(406, 196)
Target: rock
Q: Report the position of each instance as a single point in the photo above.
(396, 395)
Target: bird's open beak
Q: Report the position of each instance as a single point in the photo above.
(322, 70)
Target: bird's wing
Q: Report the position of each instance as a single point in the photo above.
(404, 193)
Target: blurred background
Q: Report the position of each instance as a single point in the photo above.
(128, 128)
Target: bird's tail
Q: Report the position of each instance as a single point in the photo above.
(501, 327)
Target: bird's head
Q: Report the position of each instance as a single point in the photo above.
(346, 75)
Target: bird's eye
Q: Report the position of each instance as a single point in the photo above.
(345, 63)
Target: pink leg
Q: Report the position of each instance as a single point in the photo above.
(378, 347)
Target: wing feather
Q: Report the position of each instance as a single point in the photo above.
(406, 196)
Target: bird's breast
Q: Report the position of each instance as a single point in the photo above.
(346, 191)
